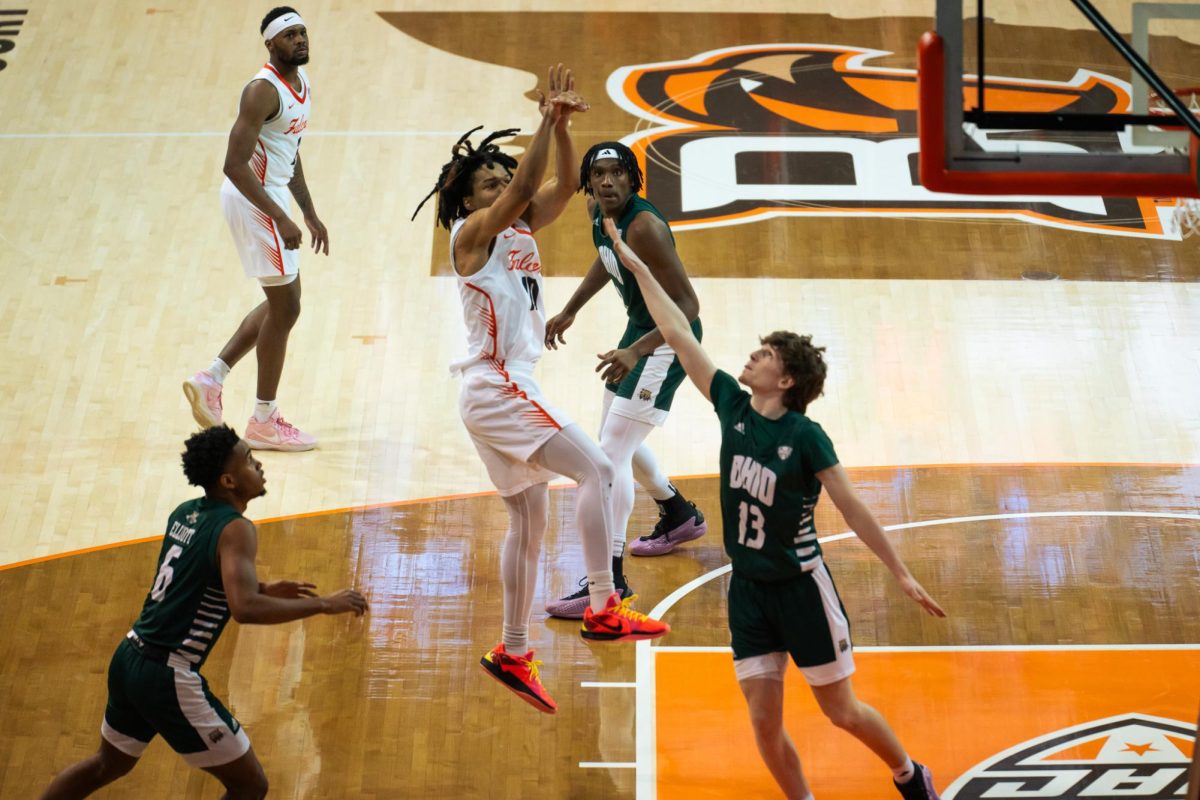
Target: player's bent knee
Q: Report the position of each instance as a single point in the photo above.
(767, 725)
(846, 717)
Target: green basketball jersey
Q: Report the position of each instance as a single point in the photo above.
(622, 278)
(769, 487)
(186, 609)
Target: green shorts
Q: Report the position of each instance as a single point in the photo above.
(149, 697)
(646, 393)
(802, 617)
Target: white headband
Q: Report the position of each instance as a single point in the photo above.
(280, 24)
(607, 152)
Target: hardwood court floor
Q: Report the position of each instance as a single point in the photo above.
(393, 705)
(119, 281)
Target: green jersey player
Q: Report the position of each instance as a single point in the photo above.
(782, 600)
(204, 575)
(642, 373)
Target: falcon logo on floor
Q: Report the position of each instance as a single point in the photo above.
(1133, 755)
(758, 131)
(10, 24)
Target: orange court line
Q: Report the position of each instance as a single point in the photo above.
(469, 495)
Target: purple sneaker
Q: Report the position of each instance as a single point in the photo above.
(573, 605)
(669, 533)
(919, 786)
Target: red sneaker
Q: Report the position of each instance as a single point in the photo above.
(520, 675)
(619, 622)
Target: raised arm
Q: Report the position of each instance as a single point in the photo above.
(862, 522)
(674, 326)
(650, 238)
(552, 198)
(485, 224)
(259, 103)
(249, 600)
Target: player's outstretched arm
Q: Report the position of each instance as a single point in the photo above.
(552, 198)
(671, 322)
(862, 522)
(651, 239)
(259, 102)
(254, 603)
(487, 223)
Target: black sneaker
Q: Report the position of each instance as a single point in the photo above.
(919, 786)
(671, 532)
(573, 605)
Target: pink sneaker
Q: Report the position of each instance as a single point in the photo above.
(204, 394)
(276, 434)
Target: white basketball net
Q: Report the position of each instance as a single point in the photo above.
(1187, 209)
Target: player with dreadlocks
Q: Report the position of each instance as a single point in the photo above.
(205, 575)
(642, 373)
(492, 208)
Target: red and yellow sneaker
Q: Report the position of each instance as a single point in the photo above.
(520, 675)
(619, 622)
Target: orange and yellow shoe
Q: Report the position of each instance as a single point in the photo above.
(520, 675)
(618, 622)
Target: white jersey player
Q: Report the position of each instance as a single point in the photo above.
(262, 166)
(492, 209)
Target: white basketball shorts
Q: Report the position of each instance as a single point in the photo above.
(508, 420)
(254, 235)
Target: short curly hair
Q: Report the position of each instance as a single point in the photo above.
(206, 453)
(803, 363)
(624, 155)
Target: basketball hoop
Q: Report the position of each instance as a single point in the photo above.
(1187, 209)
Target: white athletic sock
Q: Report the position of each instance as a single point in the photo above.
(600, 588)
(219, 370)
(904, 774)
(263, 409)
(516, 639)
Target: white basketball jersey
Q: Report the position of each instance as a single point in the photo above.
(502, 303)
(274, 157)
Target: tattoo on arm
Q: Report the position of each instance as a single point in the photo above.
(299, 188)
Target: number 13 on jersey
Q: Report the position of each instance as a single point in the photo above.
(750, 515)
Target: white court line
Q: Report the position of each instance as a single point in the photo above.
(645, 731)
(608, 684)
(608, 764)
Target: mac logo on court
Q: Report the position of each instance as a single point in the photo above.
(756, 131)
(1133, 755)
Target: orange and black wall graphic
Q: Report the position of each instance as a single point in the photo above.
(739, 127)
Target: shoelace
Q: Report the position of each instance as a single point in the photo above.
(533, 665)
(533, 670)
(286, 426)
(624, 610)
